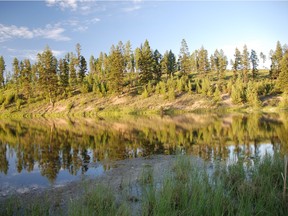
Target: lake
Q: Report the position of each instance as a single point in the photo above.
(40, 153)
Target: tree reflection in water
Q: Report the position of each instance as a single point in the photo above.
(73, 145)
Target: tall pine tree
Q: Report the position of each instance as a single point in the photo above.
(2, 69)
(47, 68)
(245, 64)
(276, 58)
(184, 58)
(146, 63)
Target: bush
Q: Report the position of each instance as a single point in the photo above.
(10, 99)
(2, 99)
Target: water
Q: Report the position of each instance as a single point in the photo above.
(40, 153)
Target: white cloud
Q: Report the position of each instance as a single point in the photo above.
(63, 4)
(78, 25)
(132, 8)
(49, 32)
(30, 53)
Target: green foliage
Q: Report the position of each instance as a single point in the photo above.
(145, 62)
(2, 99)
(284, 102)
(2, 69)
(283, 76)
(252, 95)
(19, 102)
(145, 93)
(276, 58)
(184, 58)
(10, 98)
(217, 95)
(171, 93)
(245, 60)
(238, 92)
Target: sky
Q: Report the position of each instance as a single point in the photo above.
(28, 27)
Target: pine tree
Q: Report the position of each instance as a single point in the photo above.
(137, 54)
(72, 72)
(92, 64)
(237, 63)
(146, 63)
(194, 61)
(203, 61)
(16, 71)
(47, 67)
(263, 57)
(157, 58)
(275, 61)
(219, 63)
(26, 78)
(128, 57)
(168, 64)
(63, 74)
(245, 64)
(254, 60)
(2, 69)
(222, 64)
(116, 70)
(283, 76)
(82, 69)
(184, 58)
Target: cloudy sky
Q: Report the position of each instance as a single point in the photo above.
(27, 27)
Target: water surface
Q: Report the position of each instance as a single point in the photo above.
(41, 152)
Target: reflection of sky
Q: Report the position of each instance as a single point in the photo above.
(30, 180)
(262, 149)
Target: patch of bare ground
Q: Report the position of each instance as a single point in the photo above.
(226, 100)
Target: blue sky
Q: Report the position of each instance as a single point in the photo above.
(27, 27)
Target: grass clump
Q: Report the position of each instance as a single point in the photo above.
(227, 190)
(99, 201)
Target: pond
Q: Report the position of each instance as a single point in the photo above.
(40, 153)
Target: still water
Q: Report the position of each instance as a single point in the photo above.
(36, 153)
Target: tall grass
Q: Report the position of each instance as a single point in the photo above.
(188, 188)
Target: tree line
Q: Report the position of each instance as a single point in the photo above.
(143, 71)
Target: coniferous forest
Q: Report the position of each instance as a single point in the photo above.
(146, 72)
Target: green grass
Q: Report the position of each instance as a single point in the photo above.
(187, 188)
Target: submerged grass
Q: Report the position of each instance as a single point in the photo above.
(188, 188)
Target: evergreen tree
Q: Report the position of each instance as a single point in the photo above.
(116, 70)
(275, 61)
(157, 58)
(92, 64)
(236, 64)
(82, 69)
(263, 57)
(184, 61)
(16, 71)
(222, 64)
(168, 64)
(146, 63)
(26, 78)
(219, 63)
(2, 69)
(245, 64)
(203, 61)
(283, 76)
(254, 60)
(64, 74)
(72, 72)
(128, 57)
(47, 68)
(137, 55)
(194, 61)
